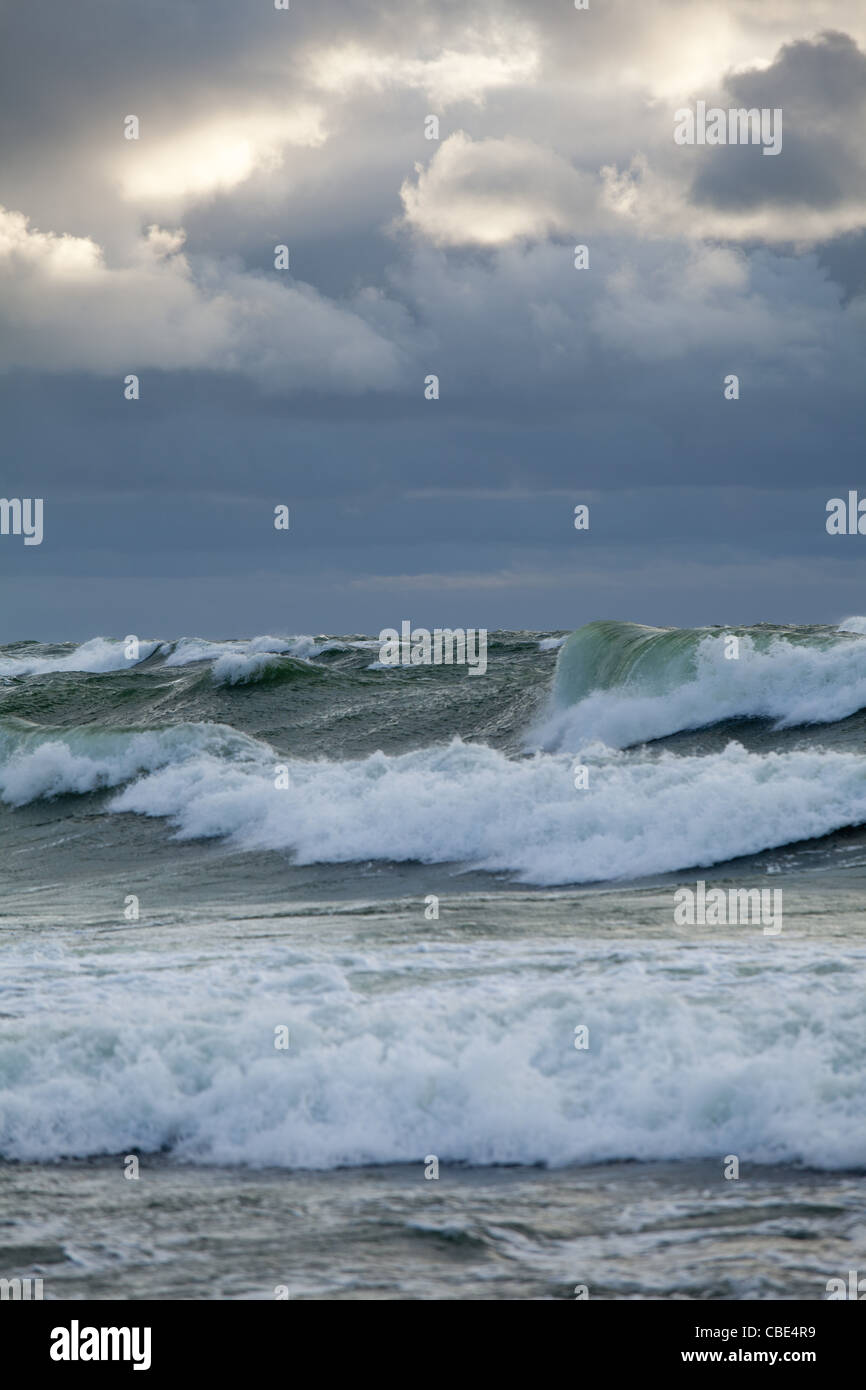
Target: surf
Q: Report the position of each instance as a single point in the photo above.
(643, 812)
(625, 683)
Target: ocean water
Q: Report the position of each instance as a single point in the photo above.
(226, 844)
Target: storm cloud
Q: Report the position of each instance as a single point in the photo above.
(413, 257)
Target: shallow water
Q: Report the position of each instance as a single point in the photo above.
(625, 1231)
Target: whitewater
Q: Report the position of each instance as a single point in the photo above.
(282, 813)
(510, 807)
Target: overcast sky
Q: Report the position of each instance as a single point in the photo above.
(409, 257)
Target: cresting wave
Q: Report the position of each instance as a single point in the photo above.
(448, 799)
(100, 654)
(37, 764)
(643, 812)
(402, 1044)
(232, 662)
(615, 681)
(624, 684)
(465, 1052)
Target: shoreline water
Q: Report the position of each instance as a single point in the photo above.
(625, 1230)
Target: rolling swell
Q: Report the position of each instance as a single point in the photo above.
(425, 766)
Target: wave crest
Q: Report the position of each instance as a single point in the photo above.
(644, 812)
(626, 684)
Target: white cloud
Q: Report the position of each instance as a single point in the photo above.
(195, 164)
(69, 257)
(523, 321)
(491, 192)
(774, 318)
(64, 308)
(479, 62)
(652, 202)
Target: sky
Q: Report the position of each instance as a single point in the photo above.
(411, 257)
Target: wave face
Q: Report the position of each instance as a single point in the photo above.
(623, 683)
(422, 765)
(466, 1052)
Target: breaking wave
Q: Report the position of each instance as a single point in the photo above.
(642, 812)
(624, 683)
(469, 1056)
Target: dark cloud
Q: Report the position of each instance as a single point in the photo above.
(411, 257)
(820, 87)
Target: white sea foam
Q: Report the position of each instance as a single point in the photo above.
(641, 814)
(469, 803)
(241, 662)
(36, 764)
(466, 1052)
(100, 654)
(240, 668)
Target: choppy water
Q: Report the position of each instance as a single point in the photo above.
(622, 1231)
(303, 907)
